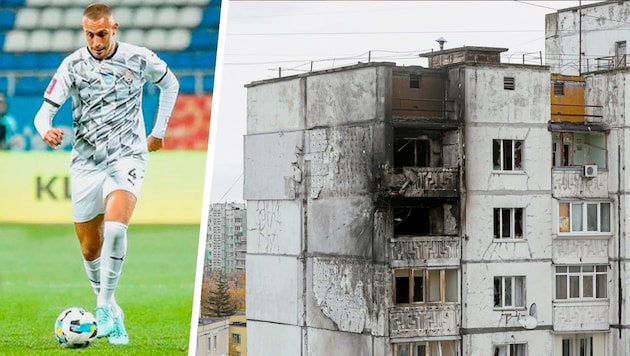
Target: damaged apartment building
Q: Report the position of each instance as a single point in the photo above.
(470, 207)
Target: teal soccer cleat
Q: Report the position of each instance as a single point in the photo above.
(119, 335)
(104, 322)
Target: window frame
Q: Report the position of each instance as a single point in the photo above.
(567, 216)
(516, 155)
(574, 344)
(514, 293)
(511, 349)
(571, 277)
(427, 276)
(498, 226)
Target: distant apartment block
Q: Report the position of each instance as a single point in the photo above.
(226, 244)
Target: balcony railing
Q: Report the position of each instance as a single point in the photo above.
(581, 316)
(417, 251)
(422, 182)
(424, 320)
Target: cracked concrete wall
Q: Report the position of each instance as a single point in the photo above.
(276, 107)
(348, 97)
(348, 295)
(600, 31)
(537, 226)
(272, 169)
(274, 227)
(478, 281)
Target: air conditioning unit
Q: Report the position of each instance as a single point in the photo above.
(590, 171)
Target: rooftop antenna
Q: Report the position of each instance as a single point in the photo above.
(441, 41)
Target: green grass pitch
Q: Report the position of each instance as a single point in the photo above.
(41, 274)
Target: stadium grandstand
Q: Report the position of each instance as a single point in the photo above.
(35, 35)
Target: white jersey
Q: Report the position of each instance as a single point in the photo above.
(106, 102)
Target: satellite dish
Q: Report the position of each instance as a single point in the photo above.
(528, 322)
(532, 310)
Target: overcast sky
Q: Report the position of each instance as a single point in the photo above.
(258, 37)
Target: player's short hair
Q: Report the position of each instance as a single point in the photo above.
(97, 11)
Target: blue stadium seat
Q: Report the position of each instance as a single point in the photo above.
(4, 84)
(204, 40)
(7, 19)
(49, 60)
(13, 3)
(31, 86)
(208, 83)
(187, 84)
(1, 40)
(204, 60)
(6, 61)
(210, 18)
(25, 60)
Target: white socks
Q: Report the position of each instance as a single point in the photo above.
(111, 262)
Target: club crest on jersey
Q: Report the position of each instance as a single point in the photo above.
(129, 76)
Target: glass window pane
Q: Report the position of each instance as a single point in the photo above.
(497, 291)
(588, 268)
(518, 155)
(507, 290)
(506, 221)
(434, 286)
(518, 220)
(418, 286)
(420, 350)
(566, 347)
(519, 290)
(565, 221)
(402, 350)
(604, 217)
(576, 217)
(561, 269)
(574, 286)
(497, 223)
(561, 287)
(601, 287)
(588, 287)
(402, 287)
(496, 155)
(507, 155)
(575, 269)
(591, 217)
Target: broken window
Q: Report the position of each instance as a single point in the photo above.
(411, 153)
(558, 88)
(507, 155)
(509, 292)
(508, 83)
(510, 350)
(427, 348)
(415, 81)
(584, 217)
(425, 286)
(412, 221)
(581, 282)
(508, 223)
(578, 149)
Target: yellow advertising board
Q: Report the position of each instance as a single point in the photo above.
(35, 188)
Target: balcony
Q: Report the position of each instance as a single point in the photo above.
(415, 182)
(570, 183)
(581, 316)
(421, 251)
(424, 320)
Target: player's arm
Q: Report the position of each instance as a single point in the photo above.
(169, 88)
(52, 136)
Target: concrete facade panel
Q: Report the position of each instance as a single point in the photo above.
(536, 159)
(276, 106)
(273, 339)
(348, 230)
(272, 166)
(488, 102)
(539, 343)
(275, 227)
(537, 224)
(342, 160)
(274, 289)
(478, 281)
(326, 342)
(346, 97)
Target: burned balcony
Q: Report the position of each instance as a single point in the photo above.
(419, 93)
(422, 182)
(424, 320)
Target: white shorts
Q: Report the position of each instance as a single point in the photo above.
(90, 188)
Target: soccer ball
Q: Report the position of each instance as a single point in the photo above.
(75, 328)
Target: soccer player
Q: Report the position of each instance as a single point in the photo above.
(105, 81)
